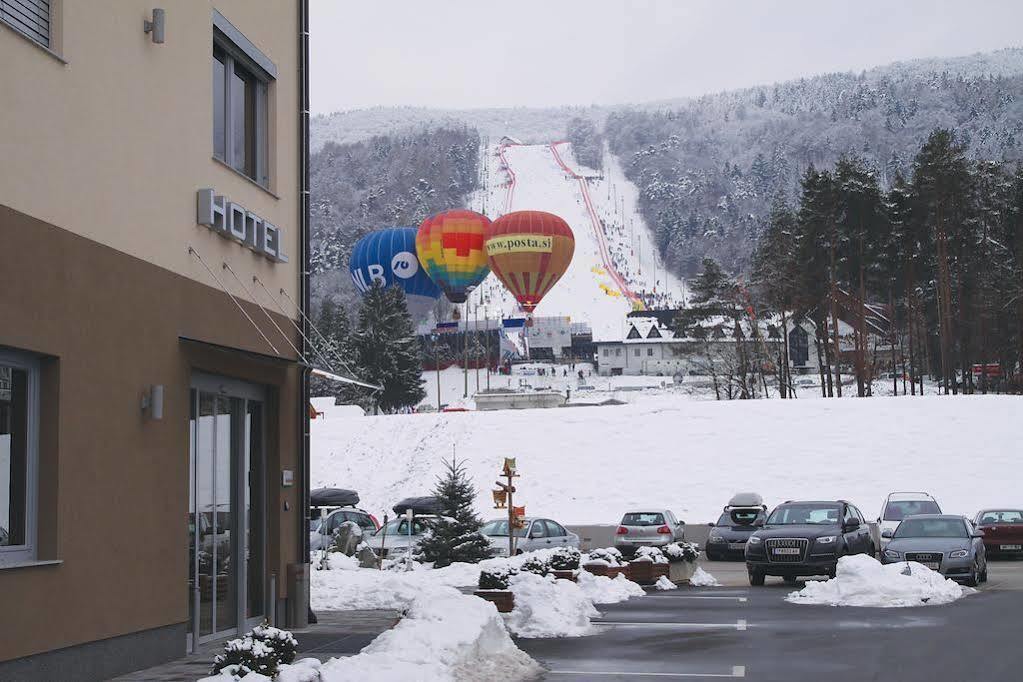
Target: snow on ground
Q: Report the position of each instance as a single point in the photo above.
(664, 583)
(587, 292)
(603, 590)
(863, 581)
(589, 464)
(701, 578)
(548, 607)
(445, 635)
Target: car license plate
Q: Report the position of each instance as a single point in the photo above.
(933, 565)
(787, 550)
(736, 545)
(1009, 548)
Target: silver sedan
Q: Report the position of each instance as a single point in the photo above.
(537, 534)
(942, 542)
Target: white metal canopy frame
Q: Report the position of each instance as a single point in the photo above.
(322, 351)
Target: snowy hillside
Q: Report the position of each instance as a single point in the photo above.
(587, 464)
(615, 262)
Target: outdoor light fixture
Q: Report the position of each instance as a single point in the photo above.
(157, 26)
(152, 400)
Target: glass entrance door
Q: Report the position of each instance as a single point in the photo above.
(226, 520)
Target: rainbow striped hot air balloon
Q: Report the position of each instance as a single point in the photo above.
(529, 251)
(450, 248)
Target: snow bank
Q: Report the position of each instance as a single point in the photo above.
(912, 444)
(664, 583)
(863, 581)
(547, 607)
(701, 578)
(603, 590)
(446, 636)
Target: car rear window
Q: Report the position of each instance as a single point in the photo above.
(900, 509)
(643, 519)
(1002, 516)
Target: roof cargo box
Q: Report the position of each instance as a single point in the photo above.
(418, 505)
(333, 497)
(745, 500)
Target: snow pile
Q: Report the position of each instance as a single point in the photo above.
(701, 578)
(600, 589)
(664, 583)
(913, 444)
(863, 581)
(345, 587)
(447, 636)
(302, 670)
(546, 607)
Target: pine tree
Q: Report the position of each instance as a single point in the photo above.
(712, 284)
(387, 352)
(456, 537)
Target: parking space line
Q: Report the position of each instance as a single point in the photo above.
(740, 625)
(694, 596)
(737, 671)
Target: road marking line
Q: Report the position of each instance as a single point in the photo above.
(692, 596)
(737, 671)
(740, 625)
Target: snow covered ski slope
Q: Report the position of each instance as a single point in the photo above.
(615, 267)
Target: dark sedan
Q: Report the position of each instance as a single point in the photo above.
(806, 538)
(1003, 531)
(727, 539)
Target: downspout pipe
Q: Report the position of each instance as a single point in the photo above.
(303, 230)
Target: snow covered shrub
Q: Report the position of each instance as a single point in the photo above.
(496, 577)
(609, 555)
(653, 554)
(535, 564)
(682, 551)
(565, 559)
(260, 651)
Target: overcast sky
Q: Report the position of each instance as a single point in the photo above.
(484, 53)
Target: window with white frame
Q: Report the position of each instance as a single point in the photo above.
(31, 18)
(242, 78)
(19, 381)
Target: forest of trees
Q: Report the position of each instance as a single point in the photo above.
(587, 142)
(941, 249)
(386, 181)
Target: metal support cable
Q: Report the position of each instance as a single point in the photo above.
(248, 293)
(318, 333)
(255, 326)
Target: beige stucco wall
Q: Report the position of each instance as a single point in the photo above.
(114, 144)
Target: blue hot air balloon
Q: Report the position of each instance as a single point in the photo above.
(388, 257)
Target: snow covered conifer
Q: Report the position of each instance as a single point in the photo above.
(456, 537)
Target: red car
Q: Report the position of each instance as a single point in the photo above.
(1003, 531)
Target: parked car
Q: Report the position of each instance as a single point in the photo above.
(393, 540)
(648, 528)
(942, 542)
(898, 506)
(806, 538)
(538, 534)
(1003, 531)
(743, 514)
(321, 530)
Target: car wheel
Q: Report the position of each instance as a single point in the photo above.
(713, 557)
(831, 572)
(756, 578)
(972, 581)
(790, 580)
(983, 573)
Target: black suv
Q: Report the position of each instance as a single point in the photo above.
(806, 538)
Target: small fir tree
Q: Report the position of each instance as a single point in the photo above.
(456, 537)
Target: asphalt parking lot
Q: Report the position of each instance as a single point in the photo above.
(738, 631)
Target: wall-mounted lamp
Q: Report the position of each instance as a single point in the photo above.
(157, 27)
(152, 400)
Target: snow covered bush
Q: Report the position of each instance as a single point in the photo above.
(260, 651)
(653, 554)
(496, 577)
(682, 551)
(540, 565)
(608, 555)
(565, 559)
(547, 607)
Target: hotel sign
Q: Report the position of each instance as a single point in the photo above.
(235, 222)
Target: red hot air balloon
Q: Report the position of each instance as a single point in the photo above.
(529, 251)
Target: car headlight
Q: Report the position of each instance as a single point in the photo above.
(715, 538)
(754, 540)
(826, 540)
(958, 554)
(892, 554)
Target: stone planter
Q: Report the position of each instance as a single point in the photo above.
(642, 572)
(504, 600)
(681, 571)
(564, 575)
(596, 569)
